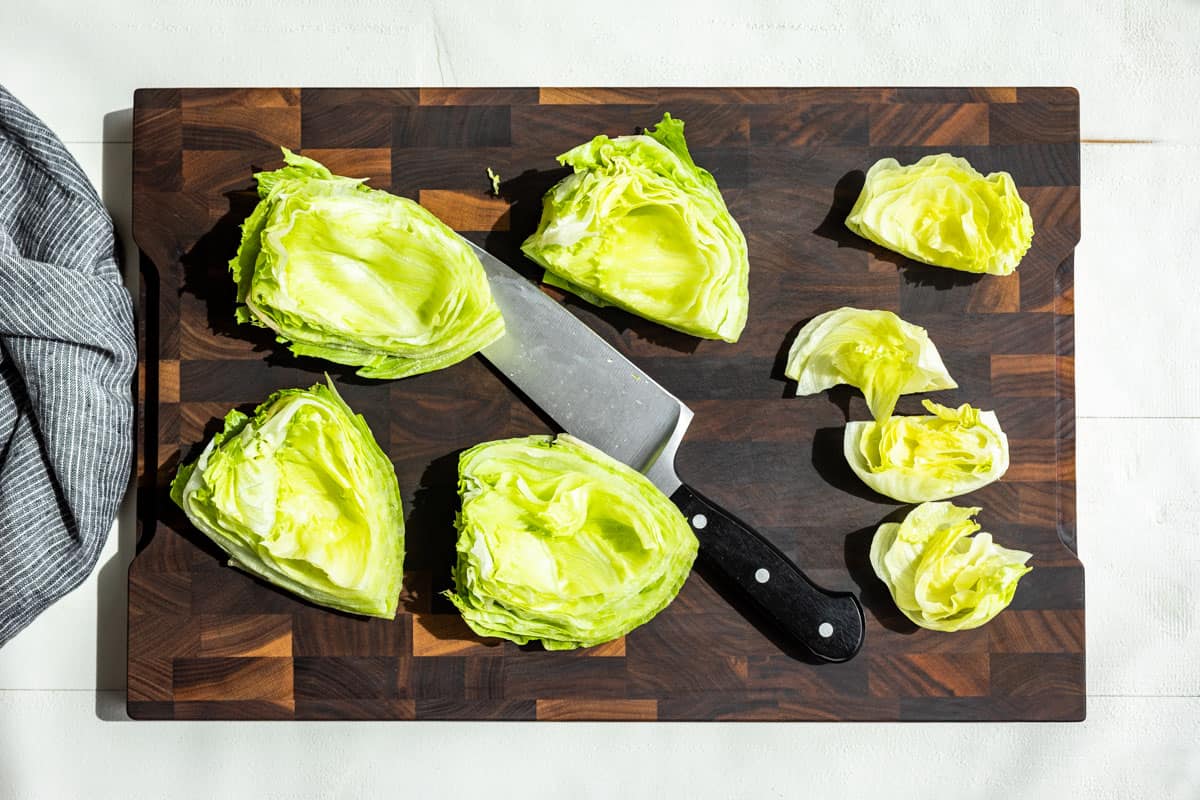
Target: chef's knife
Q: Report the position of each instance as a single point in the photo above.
(599, 396)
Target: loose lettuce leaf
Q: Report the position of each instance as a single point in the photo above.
(876, 351)
(359, 276)
(638, 225)
(941, 211)
(559, 542)
(940, 575)
(915, 459)
(300, 495)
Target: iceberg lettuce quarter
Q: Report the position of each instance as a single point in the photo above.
(359, 276)
(640, 226)
(300, 495)
(561, 543)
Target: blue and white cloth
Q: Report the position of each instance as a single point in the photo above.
(67, 356)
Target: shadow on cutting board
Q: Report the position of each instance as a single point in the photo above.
(116, 192)
(744, 606)
(829, 461)
(206, 276)
(430, 536)
(431, 552)
(206, 270)
(779, 366)
(524, 194)
(873, 593)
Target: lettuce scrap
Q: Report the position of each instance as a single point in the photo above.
(916, 459)
(940, 575)
(941, 211)
(876, 351)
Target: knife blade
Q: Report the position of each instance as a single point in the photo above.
(601, 397)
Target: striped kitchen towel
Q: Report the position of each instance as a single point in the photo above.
(67, 356)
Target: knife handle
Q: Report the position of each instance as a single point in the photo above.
(829, 624)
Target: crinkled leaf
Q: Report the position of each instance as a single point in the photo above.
(916, 459)
(638, 225)
(941, 211)
(300, 495)
(876, 351)
(942, 574)
(359, 276)
(559, 542)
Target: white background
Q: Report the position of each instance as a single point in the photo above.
(1136, 64)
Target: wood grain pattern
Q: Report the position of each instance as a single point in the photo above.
(466, 211)
(209, 642)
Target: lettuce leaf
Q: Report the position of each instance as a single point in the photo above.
(559, 542)
(638, 225)
(300, 495)
(941, 211)
(359, 276)
(876, 351)
(916, 459)
(942, 574)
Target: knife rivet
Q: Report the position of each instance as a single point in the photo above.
(699, 522)
(762, 575)
(825, 629)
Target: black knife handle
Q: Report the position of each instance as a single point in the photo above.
(829, 624)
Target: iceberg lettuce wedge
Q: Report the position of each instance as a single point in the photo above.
(559, 542)
(359, 276)
(300, 495)
(640, 226)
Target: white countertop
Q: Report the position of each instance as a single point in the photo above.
(1136, 64)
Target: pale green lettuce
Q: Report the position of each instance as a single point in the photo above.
(915, 459)
(359, 276)
(638, 225)
(941, 211)
(300, 495)
(876, 351)
(559, 542)
(940, 575)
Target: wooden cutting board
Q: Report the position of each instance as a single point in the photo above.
(207, 641)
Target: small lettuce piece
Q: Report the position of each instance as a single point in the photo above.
(359, 276)
(941, 211)
(494, 177)
(940, 575)
(300, 495)
(638, 225)
(559, 542)
(916, 459)
(876, 351)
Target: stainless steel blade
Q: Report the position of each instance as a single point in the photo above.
(590, 389)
